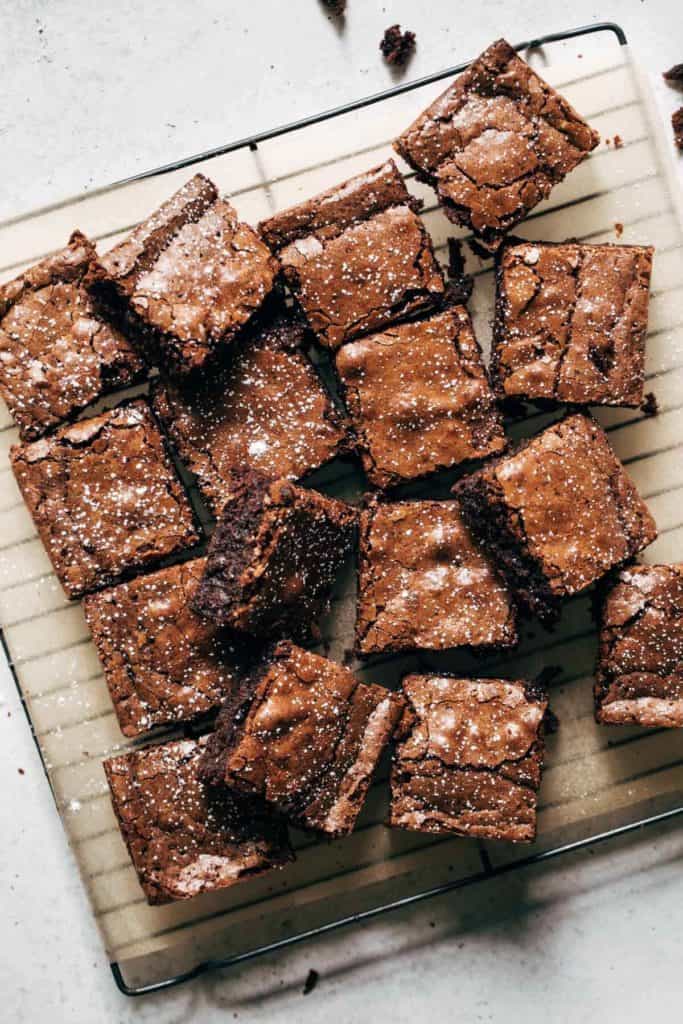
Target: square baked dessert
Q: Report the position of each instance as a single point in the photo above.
(356, 257)
(188, 278)
(306, 736)
(57, 354)
(274, 557)
(639, 674)
(468, 757)
(162, 663)
(556, 514)
(105, 497)
(571, 321)
(495, 142)
(419, 398)
(185, 838)
(424, 583)
(266, 408)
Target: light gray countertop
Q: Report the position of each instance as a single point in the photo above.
(95, 92)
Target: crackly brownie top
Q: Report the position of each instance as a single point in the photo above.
(162, 663)
(356, 256)
(57, 354)
(419, 397)
(309, 740)
(104, 497)
(495, 142)
(571, 321)
(183, 838)
(571, 503)
(425, 583)
(640, 665)
(267, 408)
(193, 271)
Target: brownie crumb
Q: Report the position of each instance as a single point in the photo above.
(336, 7)
(677, 124)
(21, 771)
(650, 406)
(617, 142)
(618, 229)
(674, 76)
(311, 981)
(397, 46)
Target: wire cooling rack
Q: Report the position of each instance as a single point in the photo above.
(599, 783)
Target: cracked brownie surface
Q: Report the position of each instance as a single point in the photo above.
(162, 663)
(306, 736)
(184, 838)
(57, 354)
(495, 142)
(274, 556)
(558, 513)
(468, 757)
(424, 583)
(639, 673)
(104, 497)
(267, 409)
(419, 398)
(571, 321)
(357, 256)
(192, 274)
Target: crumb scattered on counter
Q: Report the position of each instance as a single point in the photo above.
(677, 124)
(650, 406)
(674, 76)
(619, 229)
(311, 981)
(21, 771)
(397, 46)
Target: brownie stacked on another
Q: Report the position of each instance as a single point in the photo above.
(273, 557)
(305, 735)
(356, 257)
(556, 514)
(184, 838)
(639, 676)
(57, 354)
(495, 143)
(468, 758)
(571, 321)
(419, 398)
(188, 278)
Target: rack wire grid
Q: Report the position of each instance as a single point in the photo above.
(599, 783)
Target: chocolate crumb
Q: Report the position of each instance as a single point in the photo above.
(677, 124)
(674, 76)
(311, 981)
(617, 142)
(336, 7)
(619, 229)
(397, 46)
(650, 406)
(21, 771)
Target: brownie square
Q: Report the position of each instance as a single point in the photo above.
(104, 497)
(468, 757)
(306, 736)
(183, 837)
(495, 142)
(267, 409)
(419, 398)
(425, 584)
(273, 557)
(57, 354)
(190, 276)
(571, 321)
(162, 663)
(556, 514)
(357, 256)
(639, 674)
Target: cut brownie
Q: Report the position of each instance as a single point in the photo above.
(424, 583)
(639, 676)
(267, 409)
(495, 142)
(57, 354)
(104, 497)
(306, 735)
(185, 838)
(558, 513)
(419, 398)
(357, 256)
(274, 556)
(162, 663)
(468, 757)
(191, 276)
(571, 321)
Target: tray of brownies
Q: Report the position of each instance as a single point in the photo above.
(342, 505)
